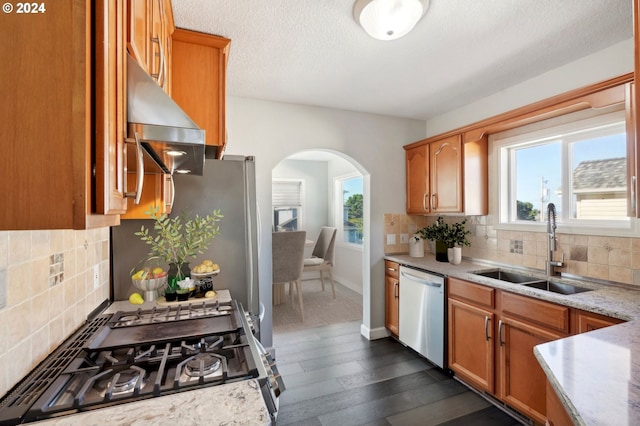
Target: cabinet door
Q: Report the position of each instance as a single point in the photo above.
(110, 109)
(198, 81)
(392, 300)
(446, 175)
(584, 321)
(522, 380)
(471, 346)
(138, 14)
(417, 179)
(557, 415)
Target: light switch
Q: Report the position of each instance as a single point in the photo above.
(404, 238)
(391, 239)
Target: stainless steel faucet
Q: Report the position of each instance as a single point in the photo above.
(552, 241)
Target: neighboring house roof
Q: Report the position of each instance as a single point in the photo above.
(598, 175)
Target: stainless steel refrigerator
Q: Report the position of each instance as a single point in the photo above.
(228, 185)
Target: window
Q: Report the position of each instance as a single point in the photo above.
(580, 166)
(286, 199)
(349, 208)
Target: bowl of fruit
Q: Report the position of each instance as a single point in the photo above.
(205, 269)
(149, 279)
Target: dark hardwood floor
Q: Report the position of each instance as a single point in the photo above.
(334, 376)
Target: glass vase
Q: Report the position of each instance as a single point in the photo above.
(173, 275)
(441, 251)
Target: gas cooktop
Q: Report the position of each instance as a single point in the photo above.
(140, 354)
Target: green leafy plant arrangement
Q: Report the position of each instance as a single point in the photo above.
(180, 237)
(451, 234)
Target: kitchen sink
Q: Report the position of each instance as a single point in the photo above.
(508, 276)
(556, 287)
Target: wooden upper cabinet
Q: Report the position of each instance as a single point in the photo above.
(417, 169)
(436, 171)
(138, 31)
(111, 114)
(150, 24)
(446, 175)
(48, 129)
(198, 81)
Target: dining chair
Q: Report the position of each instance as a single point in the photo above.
(323, 255)
(287, 249)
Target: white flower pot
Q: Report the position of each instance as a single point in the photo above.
(416, 248)
(455, 255)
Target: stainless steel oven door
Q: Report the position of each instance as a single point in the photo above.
(273, 386)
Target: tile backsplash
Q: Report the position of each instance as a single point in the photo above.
(607, 258)
(46, 292)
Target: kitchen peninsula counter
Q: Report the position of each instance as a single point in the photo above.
(596, 374)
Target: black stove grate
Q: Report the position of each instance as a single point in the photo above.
(15, 404)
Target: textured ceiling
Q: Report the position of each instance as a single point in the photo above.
(312, 52)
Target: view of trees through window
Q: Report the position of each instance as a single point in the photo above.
(352, 210)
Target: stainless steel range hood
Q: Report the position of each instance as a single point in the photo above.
(161, 126)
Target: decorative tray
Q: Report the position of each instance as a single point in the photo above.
(222, 296)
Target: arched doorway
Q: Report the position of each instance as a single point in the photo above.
(330, 186)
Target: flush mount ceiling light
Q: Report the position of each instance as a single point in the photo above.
(389, 19)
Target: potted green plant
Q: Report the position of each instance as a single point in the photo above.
(176, 239)
(445, 236)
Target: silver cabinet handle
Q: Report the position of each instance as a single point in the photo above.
(500, 341)
(391, 269)
(486, 328)
(159, 76)
(395, 290)
(434, 202)
(424, 202)
(139, 173)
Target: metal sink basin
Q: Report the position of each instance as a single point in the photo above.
(555, 287)
(508, 276)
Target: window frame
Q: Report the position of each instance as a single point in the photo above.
(501, 176)
(338, 210)
(300, 208)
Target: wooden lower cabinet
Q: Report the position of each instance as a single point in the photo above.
(471, 348)
(583, 321)
(522, 380)
(392, 297)
(556, 413)
(491, 338)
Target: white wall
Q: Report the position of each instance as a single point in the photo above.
(608, 63)
(314, 175)
(272, 131)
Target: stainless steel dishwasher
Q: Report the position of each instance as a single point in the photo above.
(422, 308)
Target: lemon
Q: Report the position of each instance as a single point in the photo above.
(136, 299)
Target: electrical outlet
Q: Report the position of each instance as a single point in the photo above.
(391, 239)
(96, 276)
(404, 238)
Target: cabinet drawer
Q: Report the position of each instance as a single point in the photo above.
(391, 269)
(476, 293)
(546, 314)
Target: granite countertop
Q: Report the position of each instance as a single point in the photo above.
(238, 403)
(595, 374)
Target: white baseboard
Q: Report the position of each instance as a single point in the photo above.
(373, 334)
